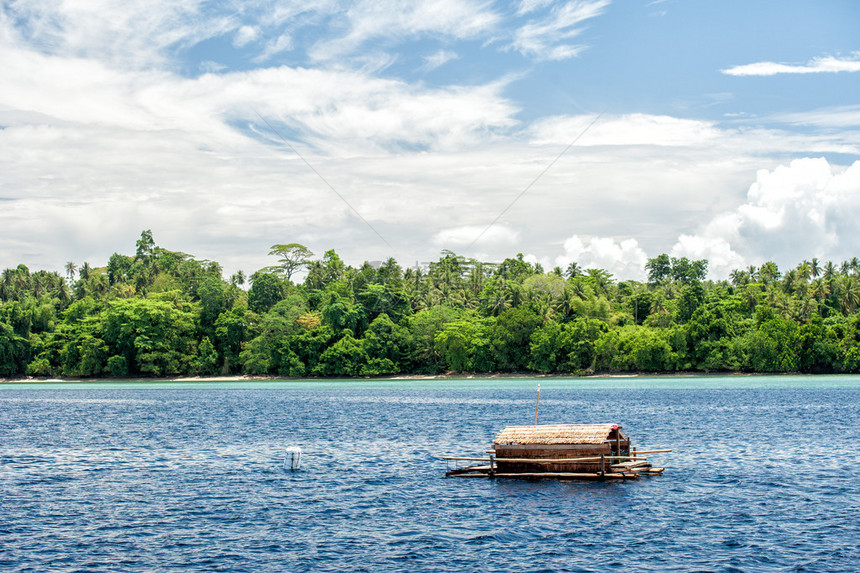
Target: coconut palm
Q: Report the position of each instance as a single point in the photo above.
(71, 267)
(238, 279)
(850, 298)
(574, 270)
(739, 277)
(815, 268)
(829, 271)
(753, 272)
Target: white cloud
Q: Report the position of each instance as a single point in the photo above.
(395, 19)
(545, 39)
(276, 45)
(438, 59)
(803, 210)
(624, 258)
(99, 143)
(464, 236)
(827, 64)
(632, 129)
(245, 35)
(125, 33)
(839, 117)
(722, 259)
(527, 6)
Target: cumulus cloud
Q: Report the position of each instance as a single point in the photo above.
(624, 258)
(798, 211)
(721, 257)
(827, 64)
(793, 212)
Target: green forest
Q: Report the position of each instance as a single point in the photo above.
(164, 313)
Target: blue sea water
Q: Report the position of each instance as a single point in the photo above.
(143, 476)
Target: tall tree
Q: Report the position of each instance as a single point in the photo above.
(292, 257)
(659, 268)
(145, 247)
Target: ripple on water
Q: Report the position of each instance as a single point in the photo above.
(190, 477)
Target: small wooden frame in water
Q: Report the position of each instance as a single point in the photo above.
(559, 451)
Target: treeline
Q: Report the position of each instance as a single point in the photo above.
(165, 313)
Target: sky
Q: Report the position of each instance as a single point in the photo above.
(604, 132)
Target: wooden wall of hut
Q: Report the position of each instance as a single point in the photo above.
(544, 452)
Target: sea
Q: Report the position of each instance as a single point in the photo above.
(191, 476)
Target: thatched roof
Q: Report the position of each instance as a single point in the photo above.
(556, 434)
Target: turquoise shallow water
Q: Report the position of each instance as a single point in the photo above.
(188, 476)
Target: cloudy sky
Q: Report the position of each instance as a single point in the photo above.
(598, 131)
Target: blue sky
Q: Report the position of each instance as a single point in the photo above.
(719, 130)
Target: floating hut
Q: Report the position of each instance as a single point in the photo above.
(562, 451)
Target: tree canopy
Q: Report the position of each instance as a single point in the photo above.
(159, 312)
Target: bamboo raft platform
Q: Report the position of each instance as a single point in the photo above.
(560, 451)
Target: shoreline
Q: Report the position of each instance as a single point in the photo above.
(396, 377)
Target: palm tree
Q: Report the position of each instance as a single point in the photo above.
(815, 268)
(574, 270)
(100, 285)
(751, 295)
(819, 291)
(783, 305)
(37, 284)
(238, 279)
(768, 272)
(789, 282)
(739, 277)
(579, 289)
(850, 295)
(829, 271)
(804, 308)
(63, 291)
(71, 267)
(476, 276)
(600, 280)
(564, 304)
(753, 272)
(499, 302)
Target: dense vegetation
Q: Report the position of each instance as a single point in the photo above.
(164, 313)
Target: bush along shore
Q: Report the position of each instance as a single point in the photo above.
(163, 313)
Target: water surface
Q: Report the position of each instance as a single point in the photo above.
(188, 476)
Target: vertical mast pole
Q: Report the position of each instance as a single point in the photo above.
(537, 404)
